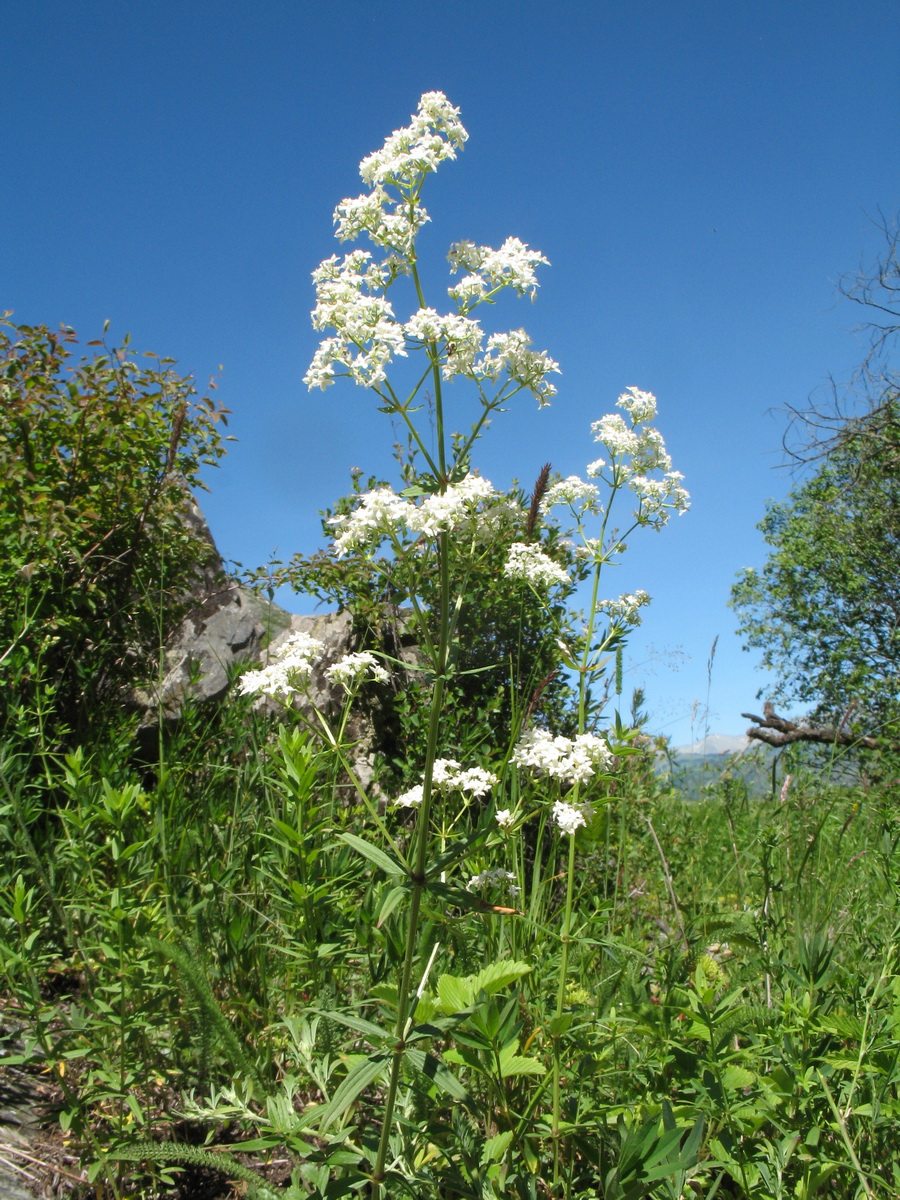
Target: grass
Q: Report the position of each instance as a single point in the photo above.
(204, 958)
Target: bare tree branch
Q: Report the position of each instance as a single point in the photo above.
(777, 731)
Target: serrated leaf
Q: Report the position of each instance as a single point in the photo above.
(454, 994)
(735, 1076)
(499, 975)
(495, 1147)
(512, 1064)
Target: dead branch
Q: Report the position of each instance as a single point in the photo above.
(778, 731)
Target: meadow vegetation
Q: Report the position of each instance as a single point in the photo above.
(521, 962)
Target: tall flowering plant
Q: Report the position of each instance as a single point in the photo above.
(446, 518)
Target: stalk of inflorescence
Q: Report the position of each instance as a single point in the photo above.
(351, 300)
(638, 461)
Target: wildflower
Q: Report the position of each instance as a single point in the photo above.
(569, 817)
(411, 798)
(503, 817)
(376, 516)
(625, 610)
(527, 561)
(612, 431)
(510, 352)
(434, 135)
(570, 760)
(288, 672)
(492, 879)
(345, 302)
(460, 335)
(442, 511)
(640, 406)
(353, 668)
(574, 492)
(448, 774)
(513, 265)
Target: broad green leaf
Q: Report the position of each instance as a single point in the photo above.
(512, 1063)
(495, 1147)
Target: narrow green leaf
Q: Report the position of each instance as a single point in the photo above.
(355, 1083)
(374, 854)
(432, 1068)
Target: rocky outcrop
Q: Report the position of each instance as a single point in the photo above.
(228, 625)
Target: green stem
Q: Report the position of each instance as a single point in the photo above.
(421, 844)
(560, 1003)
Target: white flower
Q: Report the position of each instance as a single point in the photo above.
(657, 496)
(395, 230)
(492, 879)
(433, 135)
(612, 431)
(411, 798)
(503, 817)
(509, 352)
(476, 781)
(572, 491)
(513, 265)
(447, 774)
(526, 560)
(353, 668)
(442, 511)
(569, 817)
(288, 672)
(624, 611)
(640, 406)
(377, 515)
(345, 302)
(570, 760)
(459, 336)
(594, 468)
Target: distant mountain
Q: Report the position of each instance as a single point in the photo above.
(715, 743)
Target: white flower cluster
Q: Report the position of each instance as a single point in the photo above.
(569, 817)
(573, 492)
(493, 879)
(345, 302)
(644, 447)
(434, 135)
(513, 265)
(527, 561)
(572, 760)
(449, 776)
(625, 610)
(382, 512)
(460, 335)
(353, 668)
(510, 352)
(286, 674)
(640, 406)
(349, 291)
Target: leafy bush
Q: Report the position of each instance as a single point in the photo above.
(95, 459)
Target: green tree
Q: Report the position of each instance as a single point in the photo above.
(825, 608)
(96, 559)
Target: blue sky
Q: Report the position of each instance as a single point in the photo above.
(700, 176)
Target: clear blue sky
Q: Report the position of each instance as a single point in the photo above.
(700, 175)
